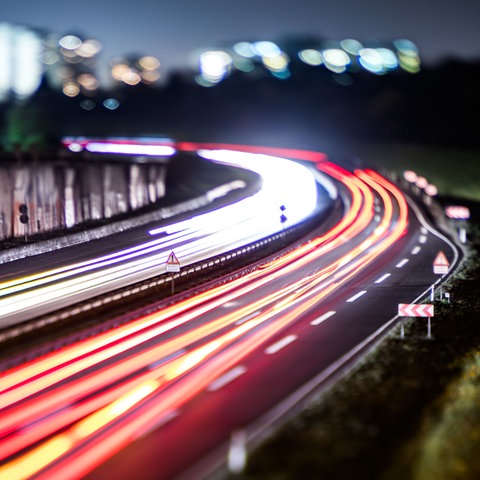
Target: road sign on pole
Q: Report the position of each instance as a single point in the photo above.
(441, 264)
(416, 310)
(172, 264)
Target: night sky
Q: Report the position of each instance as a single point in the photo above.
(171, 30)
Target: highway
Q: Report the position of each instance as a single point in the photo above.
(161, 396)
(52, 286)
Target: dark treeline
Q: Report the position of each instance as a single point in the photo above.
(438, 106)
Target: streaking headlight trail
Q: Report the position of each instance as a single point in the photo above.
(287, 187)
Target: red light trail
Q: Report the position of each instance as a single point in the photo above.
(67, 412)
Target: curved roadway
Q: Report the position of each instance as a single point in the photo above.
(161, 396)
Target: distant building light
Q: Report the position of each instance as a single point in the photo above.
(244, 49)
(215, 65)
(336, 60)
(111, 103)
(89, 48)
(276, 64)
(266, 49)
(119, 70)
(311, 56)
(131, 78)
(149, 63)
(371, 60)
(407, 53)
(243, 64)
(88, 104)
(70, 42)
(88, 81)
(49, 58)
(378, 60)
(149, 76)
(389, 59)
(71, 89)
(406, 47)
(351, 46)
(409, 63)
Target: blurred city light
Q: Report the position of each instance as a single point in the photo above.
(311, 56)
(244, 49)
(215, 65)
(69, 61)
(351, 46)
(111, 103)
(336, 60)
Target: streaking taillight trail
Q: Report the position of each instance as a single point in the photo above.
(67, 412)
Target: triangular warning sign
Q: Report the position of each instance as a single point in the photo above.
(441, 260)
(172, 259)
(172, 265)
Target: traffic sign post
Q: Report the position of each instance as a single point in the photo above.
(172, 265)
(416, 310)
(441, 264)
(462, 214)
(440, 267)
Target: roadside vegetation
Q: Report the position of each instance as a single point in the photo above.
(454, 171)
(409, 409)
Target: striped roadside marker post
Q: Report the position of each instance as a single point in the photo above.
(416, 310)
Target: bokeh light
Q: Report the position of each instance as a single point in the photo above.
(70, 42)
(215, 65)
(265, 49)
(244, 49)
(311, 56)
(71, 89)
(111, 103)
(89, 48)
(336, 59)
(351, 46)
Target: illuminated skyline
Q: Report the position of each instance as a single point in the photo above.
(172, 31)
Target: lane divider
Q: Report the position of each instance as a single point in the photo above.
(323, 317)
(280, 344)
(356, 296)
(401, 263)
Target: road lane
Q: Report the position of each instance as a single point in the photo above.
(271, 309)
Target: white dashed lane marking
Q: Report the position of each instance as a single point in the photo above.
(322, 318)
(416, 249)
(382, 278)
(227, 378)
(355, 297)
(401, 263)
(280, 344)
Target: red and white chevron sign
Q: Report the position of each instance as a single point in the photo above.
(415, 310)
